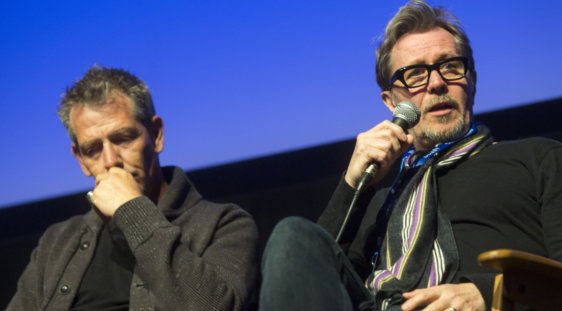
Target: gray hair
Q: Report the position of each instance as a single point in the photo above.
(98, 86)
(417, 17)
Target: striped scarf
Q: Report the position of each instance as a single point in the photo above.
(419, 249)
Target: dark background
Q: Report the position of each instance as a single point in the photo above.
(270, 188)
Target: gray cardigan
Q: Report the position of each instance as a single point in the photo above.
(190, 254)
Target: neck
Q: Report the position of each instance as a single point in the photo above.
(427, 141)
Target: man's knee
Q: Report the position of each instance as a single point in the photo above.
(291, 226)
(298, 236)
(297, 230)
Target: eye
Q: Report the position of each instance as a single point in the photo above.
(90, 150)
(416, 72)
(121, 139)
(452, 66)
(415, 76)
(124, 137)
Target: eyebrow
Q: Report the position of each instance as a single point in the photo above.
(121, 131)
(440, 58)
(124, 131)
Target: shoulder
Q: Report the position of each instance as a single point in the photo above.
(220, 212)
(531, 142)
(530, 148)
(63, 237)
(208, 223)
(70, 226)
(529, 156)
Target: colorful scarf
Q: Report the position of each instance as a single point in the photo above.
(418, 249)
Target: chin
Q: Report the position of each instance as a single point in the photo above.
(445, 133)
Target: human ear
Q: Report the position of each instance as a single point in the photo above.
(388, 99)
(157, 133)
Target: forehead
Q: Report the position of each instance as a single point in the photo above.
(423, 48)
(97, 120)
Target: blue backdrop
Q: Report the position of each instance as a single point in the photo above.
(238, 79)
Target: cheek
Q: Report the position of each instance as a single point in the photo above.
(466, 97)
(144, 155)
(135, 157)
(93, 166)
(416, 130)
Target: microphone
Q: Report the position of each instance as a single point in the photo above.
(406, 115)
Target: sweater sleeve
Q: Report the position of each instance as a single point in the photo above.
(333, 216)
(485, 284)
(212, 265)
(550, 191)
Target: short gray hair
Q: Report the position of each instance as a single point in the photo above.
(97, 86)
(417, 17)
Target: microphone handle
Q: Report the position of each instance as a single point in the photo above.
(405, 125)
(367, 176)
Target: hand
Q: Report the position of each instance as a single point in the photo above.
(113, 189)
(463, 297)
(383, 144)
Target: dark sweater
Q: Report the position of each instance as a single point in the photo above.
(507, 196)
(190, 254)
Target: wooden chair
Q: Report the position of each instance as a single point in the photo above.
(528, 279)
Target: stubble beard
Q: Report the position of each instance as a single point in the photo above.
(458, 130)
(445, 136)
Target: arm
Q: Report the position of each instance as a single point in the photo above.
(205, 262)
(550, 191)
(332, 217)
(383, 144)
(28, 289)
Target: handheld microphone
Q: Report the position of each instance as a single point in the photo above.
(406, 115)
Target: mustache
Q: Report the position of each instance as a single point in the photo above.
(441, 101)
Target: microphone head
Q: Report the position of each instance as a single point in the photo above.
(408, 114)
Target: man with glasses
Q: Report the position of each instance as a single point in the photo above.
(414, 246)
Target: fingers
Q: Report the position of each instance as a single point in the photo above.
(113, 189)
(422, 297)
(462, 297)
(113, 171)
(382, 144)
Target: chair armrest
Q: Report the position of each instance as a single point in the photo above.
(506, 259)
(532, 280)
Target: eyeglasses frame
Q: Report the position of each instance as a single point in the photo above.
(399, 74)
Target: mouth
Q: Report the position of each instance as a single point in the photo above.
(440, 109)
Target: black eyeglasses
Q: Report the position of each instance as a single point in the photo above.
(449, 69)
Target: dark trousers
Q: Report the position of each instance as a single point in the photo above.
(305, 269)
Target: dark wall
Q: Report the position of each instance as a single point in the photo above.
(270, 188)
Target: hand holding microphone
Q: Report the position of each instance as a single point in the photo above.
(381, 146)
(385, 142)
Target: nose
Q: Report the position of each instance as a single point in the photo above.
(111, 156)
(436, 84)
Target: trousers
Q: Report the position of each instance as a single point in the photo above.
(303, 268)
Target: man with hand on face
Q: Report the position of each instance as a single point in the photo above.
(414, 246)
(151, 242)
